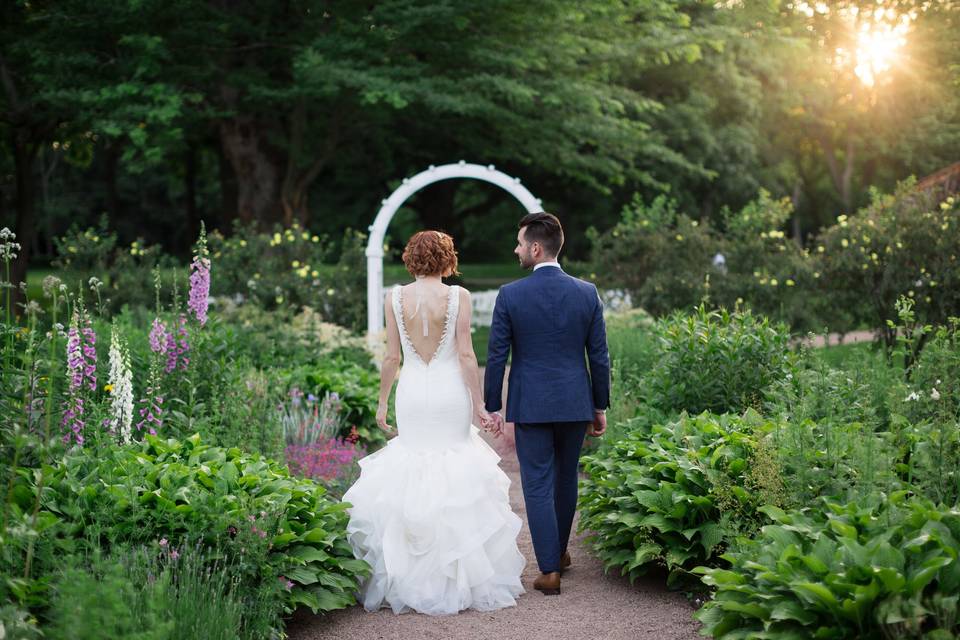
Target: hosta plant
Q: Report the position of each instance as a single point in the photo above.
(676, 496)
(239, 502)
(881, 567)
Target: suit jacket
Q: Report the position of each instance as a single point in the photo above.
(553, 324)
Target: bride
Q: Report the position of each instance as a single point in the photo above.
(430, 512)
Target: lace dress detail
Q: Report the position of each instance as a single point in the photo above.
(449, 324)
(430, 512)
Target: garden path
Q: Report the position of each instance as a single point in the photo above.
(592, 605)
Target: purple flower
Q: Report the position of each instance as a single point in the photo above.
(163, 542)
(81, 373)
(159, 337)
(199, 288)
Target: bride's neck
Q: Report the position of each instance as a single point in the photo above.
(430, 279)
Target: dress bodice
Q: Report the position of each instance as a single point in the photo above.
(444, 348)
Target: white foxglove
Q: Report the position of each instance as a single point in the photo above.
(121, 383)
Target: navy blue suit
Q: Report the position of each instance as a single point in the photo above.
(553, 324)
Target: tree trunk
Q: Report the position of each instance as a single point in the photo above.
(435, 206)
(258, 178)
(795, 201)
(842, 178)
(24, 155)
(228, 189)
(297, 178)
(190, 192)
(110, 165)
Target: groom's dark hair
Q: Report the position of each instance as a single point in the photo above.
(544, 228)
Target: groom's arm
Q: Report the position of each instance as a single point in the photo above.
(498, 348)
(599, 358)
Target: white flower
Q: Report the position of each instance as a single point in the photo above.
(121, 379)
(913, 396)
(934, 394)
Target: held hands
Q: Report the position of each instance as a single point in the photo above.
(599, 425)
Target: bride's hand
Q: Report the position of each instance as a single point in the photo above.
(382, 418)
(482, 419)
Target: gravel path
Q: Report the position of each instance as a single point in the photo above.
(592, 605)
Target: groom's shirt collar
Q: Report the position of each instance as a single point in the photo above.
(553, 263)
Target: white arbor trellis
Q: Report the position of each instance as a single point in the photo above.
(409, 187)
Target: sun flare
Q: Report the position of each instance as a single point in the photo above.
(877, 48)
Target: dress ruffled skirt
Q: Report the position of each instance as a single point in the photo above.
(435, 525)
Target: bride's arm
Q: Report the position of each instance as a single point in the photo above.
(391, 362)
(468, 359)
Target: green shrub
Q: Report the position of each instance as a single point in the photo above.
(657, 254)
(716, 360)
(764, 270)
(290, 267)
(226, 498)
(904, 244)
(877, 568)
(677, 496)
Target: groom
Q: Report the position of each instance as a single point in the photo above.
(549, 320)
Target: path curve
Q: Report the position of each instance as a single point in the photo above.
(592, 605)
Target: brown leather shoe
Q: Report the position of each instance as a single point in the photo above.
(548, 583)
(565, 561)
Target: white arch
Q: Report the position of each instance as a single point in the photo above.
(409, 187)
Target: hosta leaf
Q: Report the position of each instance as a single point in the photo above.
(792, 610)
(815, 593)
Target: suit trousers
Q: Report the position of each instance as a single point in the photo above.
(549, 455)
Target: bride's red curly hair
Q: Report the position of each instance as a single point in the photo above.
(430, 253)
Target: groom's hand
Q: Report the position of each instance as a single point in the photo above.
(497, 424)
(599, 425)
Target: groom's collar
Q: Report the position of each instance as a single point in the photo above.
(552, 263)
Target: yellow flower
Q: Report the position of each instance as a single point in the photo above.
(945, 226)
(739, 300)
(330, 292)
(820, 249)
(295, 264)
(302, 272)
(790, 283)
(279, 299)
(763, 281)
(277, 238)
(873, 256)
(899, 245)
(243, 243)
(866, 238)
(315, 239)
(679, 237)
(695, 223)
(108, 387)
(763, 234)
(845, 242)
(305, 235)
(927, 299)
(773, 282)
(816, 274)
(256, 276)
(864, 266)
(933, 283)
(756, 274)
(314, 273)
(910, 293)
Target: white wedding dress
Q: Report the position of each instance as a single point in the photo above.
(430, 512)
